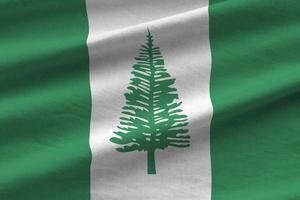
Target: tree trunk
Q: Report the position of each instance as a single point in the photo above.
(151, 162)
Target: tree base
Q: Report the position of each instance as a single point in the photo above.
(151, 162)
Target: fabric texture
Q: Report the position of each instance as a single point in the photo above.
(143, 100)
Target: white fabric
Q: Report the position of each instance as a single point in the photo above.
(117, 29)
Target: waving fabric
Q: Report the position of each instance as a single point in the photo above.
(143, 100)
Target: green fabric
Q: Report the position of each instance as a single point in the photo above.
(255, 82)
(45, 101)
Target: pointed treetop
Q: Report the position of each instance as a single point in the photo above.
(149, 38)
(149, 33)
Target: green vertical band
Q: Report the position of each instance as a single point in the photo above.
(45, 100)
(255, 84)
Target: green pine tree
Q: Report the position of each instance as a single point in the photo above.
(151, 118)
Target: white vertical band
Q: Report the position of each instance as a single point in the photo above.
(116, 31)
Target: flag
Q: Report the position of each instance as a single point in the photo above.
(143, 100)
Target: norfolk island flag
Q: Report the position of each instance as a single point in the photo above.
(149, 100)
